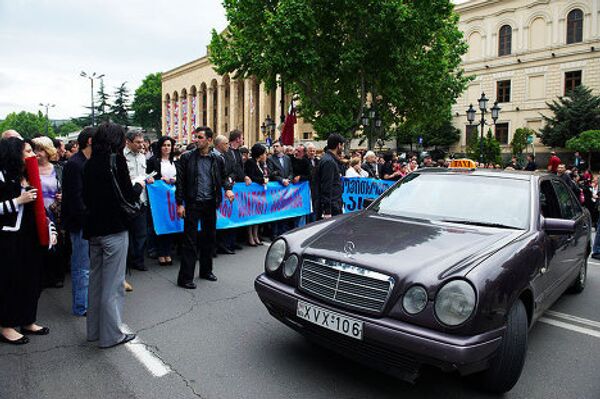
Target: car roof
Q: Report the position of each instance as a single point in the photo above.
(509, 174)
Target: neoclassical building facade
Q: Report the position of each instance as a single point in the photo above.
(195, 95)
(522, 53)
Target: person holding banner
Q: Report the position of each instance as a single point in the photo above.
(328, 178)
(163, 164)
(22, 254)
(200, 178)
(256, 169)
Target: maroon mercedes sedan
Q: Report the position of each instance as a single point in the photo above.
(448, 268)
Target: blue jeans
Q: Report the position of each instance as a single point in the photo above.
(80, 272)
(596, 246)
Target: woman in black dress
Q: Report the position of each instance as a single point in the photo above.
(21, 266)
(256, 169)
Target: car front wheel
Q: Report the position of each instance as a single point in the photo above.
(505, 368)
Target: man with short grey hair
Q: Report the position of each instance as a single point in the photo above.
(370, 165)
(11, 133)
(136, 162)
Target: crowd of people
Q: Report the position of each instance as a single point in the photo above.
(94, 192)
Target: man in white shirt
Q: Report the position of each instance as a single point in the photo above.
(136, 162)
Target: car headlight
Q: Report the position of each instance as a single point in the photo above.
(415, 299)
(275, 255)
(455, 302)
(290, 265)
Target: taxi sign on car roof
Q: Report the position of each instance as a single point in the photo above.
(462, 164)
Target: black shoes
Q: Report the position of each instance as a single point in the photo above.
(21, 341)
(128, 337)
(237, 247)
(209, 277)
(187, 286)
(141, 268)
(41, 331)
(224, 250)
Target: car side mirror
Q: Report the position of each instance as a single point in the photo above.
(367, 202)
(558, 226)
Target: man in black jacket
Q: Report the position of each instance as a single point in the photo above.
(328, 179)
(73, 214)
(200, 177)
(280, 170)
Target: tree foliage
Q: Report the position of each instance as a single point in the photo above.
(491, 149)
(333, 53)
(119, 110)
(518, 143)
(587, 142)
(147, 102)
(573, 114)
(103, 105)
(66, 128)
(27, 124)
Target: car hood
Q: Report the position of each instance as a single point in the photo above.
(406, 247)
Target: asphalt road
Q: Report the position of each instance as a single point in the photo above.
(219, 342)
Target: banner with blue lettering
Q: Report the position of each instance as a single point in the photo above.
(356, 189)
(253, 204)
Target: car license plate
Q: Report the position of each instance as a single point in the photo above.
(331, 320)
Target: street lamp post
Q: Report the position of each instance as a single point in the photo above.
(373, 122)
(91, 78)
(268, 128)
(471, 112)
(47, 105)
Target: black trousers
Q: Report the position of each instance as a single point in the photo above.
(198, 244)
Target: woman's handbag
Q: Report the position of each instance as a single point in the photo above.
(129, 210)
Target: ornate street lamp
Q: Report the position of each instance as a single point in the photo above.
(471, 112)
(373, 122)
(268, 128)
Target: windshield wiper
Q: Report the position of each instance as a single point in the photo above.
(477, 223)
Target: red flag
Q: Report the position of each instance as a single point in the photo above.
(33, 176)
(287, 133)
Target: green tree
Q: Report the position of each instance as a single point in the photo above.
(27, 124)
(573, 114)
(491, 148)
(442, 135)
(66, 128)
(588, 141)
(333, 53)
(102, 114)
(147, 103)
(518, 143)
(119, 110)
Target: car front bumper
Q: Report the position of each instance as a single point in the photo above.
(390, 345)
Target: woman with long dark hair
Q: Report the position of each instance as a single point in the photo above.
(256, 169)
(163, 163)
(105, 228)
(21, 266)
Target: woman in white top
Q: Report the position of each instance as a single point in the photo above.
(163, 164)
(355, 170)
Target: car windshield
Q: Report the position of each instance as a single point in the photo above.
(463, 199)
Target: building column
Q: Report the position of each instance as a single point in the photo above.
(163, 118)
(190, 125)
(249, 104)
(221, 109)
(263, 106)
(233, 94)
(277, 116)
(209, 107)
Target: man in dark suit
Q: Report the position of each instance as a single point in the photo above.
(370, 165)
(200, 177)
(313, 161)
(328, 179)
(280, 170)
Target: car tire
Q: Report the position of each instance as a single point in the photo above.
(505, 368)
(579, 283)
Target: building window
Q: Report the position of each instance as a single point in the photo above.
(471, 134)
(502, 133)
(307, 135)
(575, 26)
(503, 91)
(505, 41)
(572, 80)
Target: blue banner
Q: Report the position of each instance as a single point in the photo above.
(253, 204)
(356, 189)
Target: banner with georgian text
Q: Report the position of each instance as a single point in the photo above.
(253, 204)
(357, 189)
